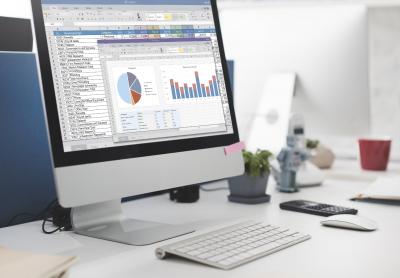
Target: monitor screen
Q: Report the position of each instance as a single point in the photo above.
(135, 72)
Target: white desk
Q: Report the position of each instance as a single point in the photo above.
(331, 252)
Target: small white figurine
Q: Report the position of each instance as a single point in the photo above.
(290, 158)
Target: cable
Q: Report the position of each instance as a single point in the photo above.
(32, 216)
(213, 189)
(45, 220)
(53, 213)
(58, 216)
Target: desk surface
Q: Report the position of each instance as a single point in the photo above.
(331, 252)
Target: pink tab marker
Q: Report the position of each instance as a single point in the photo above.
(234, 148)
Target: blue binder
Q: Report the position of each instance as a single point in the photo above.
(26, 175)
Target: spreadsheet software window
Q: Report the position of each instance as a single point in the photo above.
(135, 72)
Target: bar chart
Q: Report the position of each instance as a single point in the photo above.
(195, 88)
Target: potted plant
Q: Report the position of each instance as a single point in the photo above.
(250, 187)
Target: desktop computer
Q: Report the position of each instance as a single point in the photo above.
(137, 100)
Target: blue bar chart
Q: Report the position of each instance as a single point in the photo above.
(194, 89)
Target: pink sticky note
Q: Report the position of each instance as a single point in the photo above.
(234, 148)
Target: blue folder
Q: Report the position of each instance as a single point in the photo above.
(26, 175)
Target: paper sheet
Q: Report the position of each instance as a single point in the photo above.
(386, 188)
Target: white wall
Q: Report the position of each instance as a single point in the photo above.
(316, 42)
(385, 70)
(16, 8)
(370, 3)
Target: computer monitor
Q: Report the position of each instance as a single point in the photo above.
(137, 100)
(325, 45)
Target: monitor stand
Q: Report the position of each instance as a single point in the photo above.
(106, 221)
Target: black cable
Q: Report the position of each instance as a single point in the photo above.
(53, 213)
(32, 216)
(48, 207)
(58, 216)
(45, 220)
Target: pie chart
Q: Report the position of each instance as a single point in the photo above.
(129, 88)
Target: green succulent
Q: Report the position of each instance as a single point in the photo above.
(312, 144)
(257, 164)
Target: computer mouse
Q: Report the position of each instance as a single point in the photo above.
(350, 221)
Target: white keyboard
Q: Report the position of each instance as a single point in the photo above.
(234, 245)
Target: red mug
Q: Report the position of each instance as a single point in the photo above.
(374, 153)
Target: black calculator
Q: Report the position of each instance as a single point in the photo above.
(316, 208)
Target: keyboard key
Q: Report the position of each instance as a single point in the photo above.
(204, 255)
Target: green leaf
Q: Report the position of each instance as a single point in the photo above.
(312, 144)
(257, 164)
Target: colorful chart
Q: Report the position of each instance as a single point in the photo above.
(196, 90)
(129, 88)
